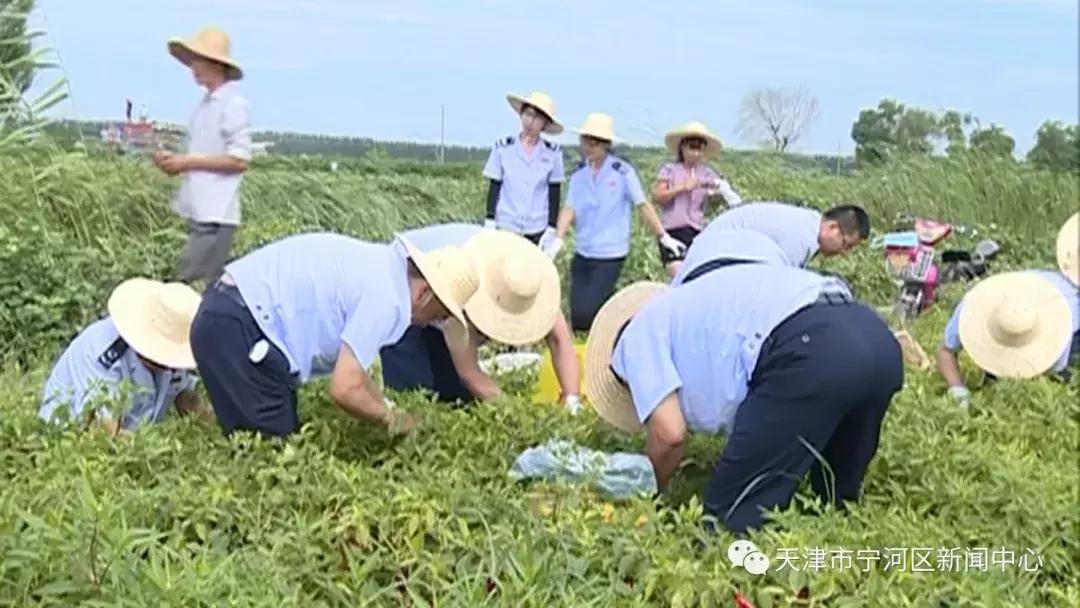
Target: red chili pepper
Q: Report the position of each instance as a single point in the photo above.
(742, 602)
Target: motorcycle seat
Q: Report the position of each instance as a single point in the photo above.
(931, 232)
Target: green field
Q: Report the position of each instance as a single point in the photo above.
(177, 515)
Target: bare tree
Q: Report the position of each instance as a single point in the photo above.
(777, 117)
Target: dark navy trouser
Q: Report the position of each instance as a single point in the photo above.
(592, 281)
(826, 376)
(421, 359)
(245, 395)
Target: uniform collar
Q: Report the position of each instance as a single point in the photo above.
(222, 91)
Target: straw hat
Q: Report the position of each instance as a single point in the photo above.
(611, 400)
(693, 129)
(449, 273)
(1068, 249)
(598, 125)
(519, 294)
(1015, 324)
(541, 101)
(154, 318)
(210, 43)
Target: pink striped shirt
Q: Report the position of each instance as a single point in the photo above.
(687, 208)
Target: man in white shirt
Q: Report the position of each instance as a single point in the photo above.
(218, 152)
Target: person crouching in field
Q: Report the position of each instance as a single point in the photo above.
(802, 232)
(318, 304)
(1018, 324)
(517, 303)
(218, 152)
(683, 187)
(142, 344)
(603, 191)
(780, 359)
(526, 172)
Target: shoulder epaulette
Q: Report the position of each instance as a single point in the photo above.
(554, 147)
(505, 141)
(580, 165)
(112, 354)
(619, 166)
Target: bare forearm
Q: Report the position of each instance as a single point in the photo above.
(652, 220)
(218, 163)
(664, 195)
(363, 401)
(482, 386)
(566, 217)
(949, 367)
(665, 459)
(564, 358)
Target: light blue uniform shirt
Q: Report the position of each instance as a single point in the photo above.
(432, 237)
(795, 229)
(1072, 295)
(90, 370)
(737, 244)
(603, 206)
(312, 292)
(703, 339)
(523, 199)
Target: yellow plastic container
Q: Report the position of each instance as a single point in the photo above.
(547, 384)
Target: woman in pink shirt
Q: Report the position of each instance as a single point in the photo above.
(683, 187)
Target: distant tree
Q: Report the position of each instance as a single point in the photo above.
(992, 141)
(892, 129)
(16, 64)
(954, 126)
(1057, 147)
(777, 117)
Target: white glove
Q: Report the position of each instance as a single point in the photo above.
(961, 394)
(573, 403)
(672, 244)
(550, 243)
(489, 224)
(731, 197)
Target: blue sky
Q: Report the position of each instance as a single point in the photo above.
(381, 68)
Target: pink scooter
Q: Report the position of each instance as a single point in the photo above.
(910, 258)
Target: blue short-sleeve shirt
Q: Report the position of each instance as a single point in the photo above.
(603, 205)
(703, 339)
(795, 229)
(311, 293)
(522, 206)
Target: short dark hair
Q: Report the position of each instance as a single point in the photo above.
(414, 271)
(852, 219)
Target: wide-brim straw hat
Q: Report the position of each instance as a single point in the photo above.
(1068, 249)
(518, 299)
(210, 43)
(693, 129)
(1015, 324)
(154, 318)
(449, 273)
(611, 400)
(598, 125)
(541, 101)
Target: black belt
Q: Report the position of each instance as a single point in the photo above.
(714, 264)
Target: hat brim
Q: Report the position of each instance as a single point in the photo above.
(554, 126)
(184, 52)
(438, 281)
(611, 400)
(494, 321)
(1068, 249)
(608, 137)
(128, 306)
(1052, 331)
(673, 139)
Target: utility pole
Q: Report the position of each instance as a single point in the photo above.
(442, 133)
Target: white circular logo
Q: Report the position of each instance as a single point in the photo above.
(756, 563)
(738, 551)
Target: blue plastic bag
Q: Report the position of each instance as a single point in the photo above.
(619, 475)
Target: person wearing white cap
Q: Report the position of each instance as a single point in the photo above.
(683, 187)
(525, 172)
(780, 359)
(218, 152)
(517, 303)
(1017, 324)
(602, 194)
(318, 304)
(143, 341)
